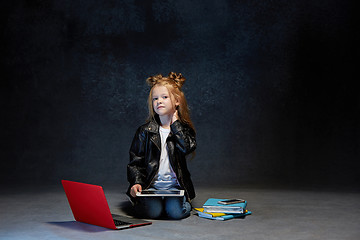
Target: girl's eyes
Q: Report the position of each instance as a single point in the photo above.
(164, 97)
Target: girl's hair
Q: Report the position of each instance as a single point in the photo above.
(173, 82)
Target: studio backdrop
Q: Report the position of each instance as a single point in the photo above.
(270, 85)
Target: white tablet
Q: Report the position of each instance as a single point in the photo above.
(161, 193)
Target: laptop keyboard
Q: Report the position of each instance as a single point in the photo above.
(120, 223)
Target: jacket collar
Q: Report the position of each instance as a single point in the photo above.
(153, 127)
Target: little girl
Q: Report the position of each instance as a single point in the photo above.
(159, 148)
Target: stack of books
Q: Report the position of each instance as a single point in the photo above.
(212, 209)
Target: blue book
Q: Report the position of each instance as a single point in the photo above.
(213, 205)
(220, 216)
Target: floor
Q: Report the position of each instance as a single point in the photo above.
(277, 214)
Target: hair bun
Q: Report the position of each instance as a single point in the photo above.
(177, 78)
(151, 81)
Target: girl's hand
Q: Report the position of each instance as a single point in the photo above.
(135, 189)
(174, 117)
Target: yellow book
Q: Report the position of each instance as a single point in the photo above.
(219, 216)
(212, 214)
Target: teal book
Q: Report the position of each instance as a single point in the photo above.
(212, 205)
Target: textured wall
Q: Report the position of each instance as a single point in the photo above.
(269, 84)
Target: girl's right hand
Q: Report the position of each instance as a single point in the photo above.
(135, 189)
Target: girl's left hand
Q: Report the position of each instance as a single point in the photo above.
(174, 117)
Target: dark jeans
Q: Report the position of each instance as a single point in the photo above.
(156, 207)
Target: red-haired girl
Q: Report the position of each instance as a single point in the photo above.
(159, 149)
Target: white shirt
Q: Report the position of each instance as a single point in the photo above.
(166, 177)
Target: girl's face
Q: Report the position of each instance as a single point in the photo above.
(163, 101)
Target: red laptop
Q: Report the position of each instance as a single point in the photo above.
(89, 205)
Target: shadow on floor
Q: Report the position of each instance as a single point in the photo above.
(127, 208)
(78, 226)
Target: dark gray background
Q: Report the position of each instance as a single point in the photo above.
(270, 85)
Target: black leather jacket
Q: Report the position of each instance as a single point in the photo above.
(145, 155)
